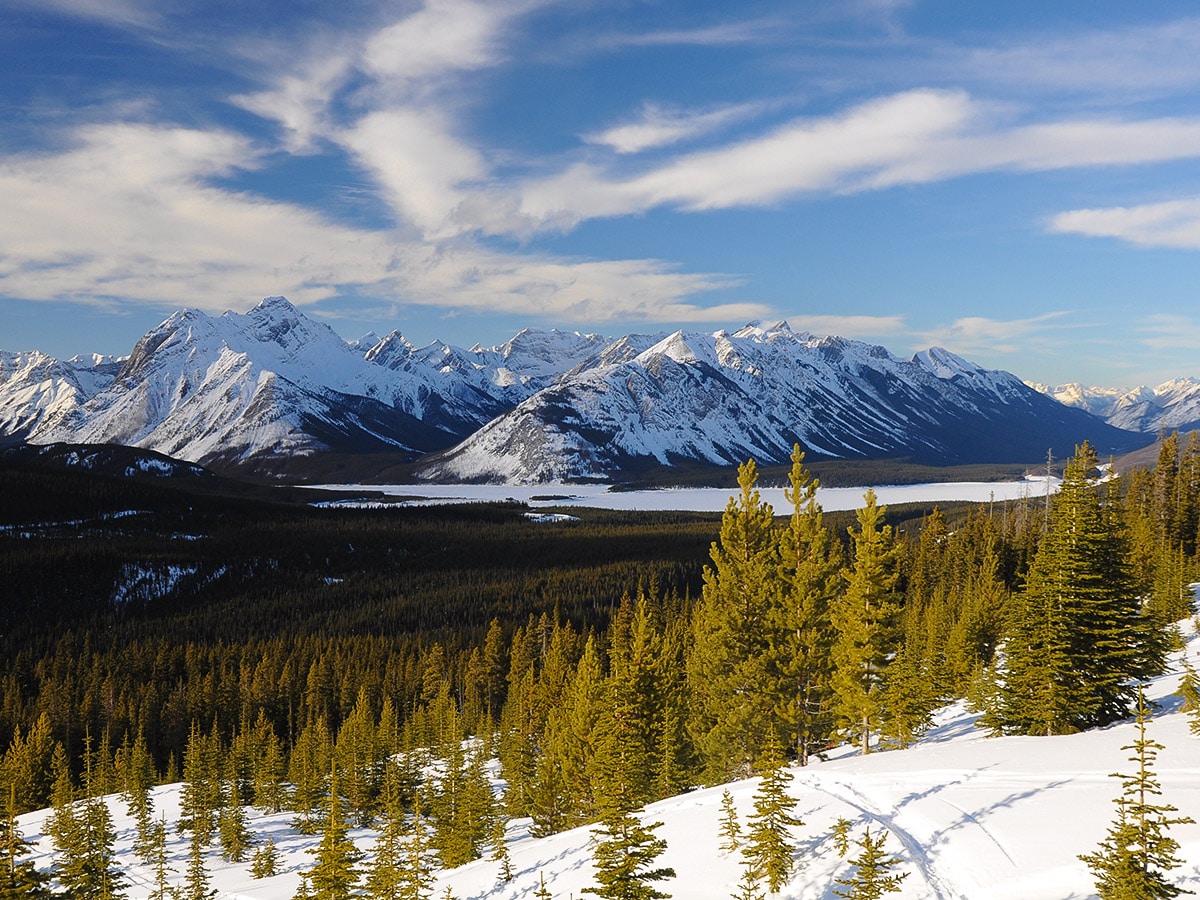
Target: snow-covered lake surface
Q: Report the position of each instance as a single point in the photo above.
(971, 818)
(695, 499)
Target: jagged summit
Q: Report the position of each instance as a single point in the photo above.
(271, 386)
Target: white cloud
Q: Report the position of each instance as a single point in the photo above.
(1174, 223)
(128, 212)
(913, 137)
(137, 13)
(444, 36)
(1133, 60)
(299, 100)
(752, 31)
(979, 334)
(659, 126)
(422, 167)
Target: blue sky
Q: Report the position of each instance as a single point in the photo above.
(1018, 182)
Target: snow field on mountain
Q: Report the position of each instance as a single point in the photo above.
(971, 817)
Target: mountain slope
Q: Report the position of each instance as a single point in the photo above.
(235, 389)
(37, 390)
(1173, 405)
(970, 817)
(721, 398)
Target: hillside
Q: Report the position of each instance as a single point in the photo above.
(972, 818)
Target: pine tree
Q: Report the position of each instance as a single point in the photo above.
(1078, 638)
(803, 636)
(18, 879)
(1134, 859)
(768, 848)
(907, 699)
(623, 851)
(729, 673)
(136, 771)
(841, 836)
(265, 861)
(1189, 689)
(196, 883)
(308, 771)
(872, 876)
(865, 619)
(750, 885)
(731, 829)
(500, 849)
(333, 874)
(156, 857)
(233, 832)
(542, 893)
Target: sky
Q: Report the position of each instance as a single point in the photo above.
(1017, 182)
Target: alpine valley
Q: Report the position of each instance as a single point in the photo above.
(273, 392)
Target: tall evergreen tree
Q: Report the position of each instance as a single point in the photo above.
(1189, 689)
(1136, 856)
(801, 652)
(334, 874)
(1078, 638)
(18, 879)
(865, 617)
(729, 667)
(157, 859)
(197, 884)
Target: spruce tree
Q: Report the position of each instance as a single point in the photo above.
(234, 834)
(196, 882)
(865, 619)
(729, 669)
(1078, 638)
(500, 849)
(136, 771)
(334, 875)
(623, 854)
(803, 635)
(1189, 690)
(18, 879)
(731, 829)
(543, 892)
(264, 862)
(1136, 856)
(157, 858)
(872, 871)
(768, 847)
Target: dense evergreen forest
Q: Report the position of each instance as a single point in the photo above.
(269, 653)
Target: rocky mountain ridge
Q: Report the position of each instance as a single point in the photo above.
(266, 389)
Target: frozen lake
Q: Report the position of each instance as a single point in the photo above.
(694, 499)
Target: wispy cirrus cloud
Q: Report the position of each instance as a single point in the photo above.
(659, 126)
(914, 137)
(1164, 331)
(980, 334)
(1131, 61)
(1172, 223)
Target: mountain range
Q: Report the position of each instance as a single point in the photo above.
(273, 391)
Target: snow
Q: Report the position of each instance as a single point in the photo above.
(971, 817)
(601, 496)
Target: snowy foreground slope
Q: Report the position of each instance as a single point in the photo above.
(973, 818)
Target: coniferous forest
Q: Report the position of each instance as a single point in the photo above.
(362, 666)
